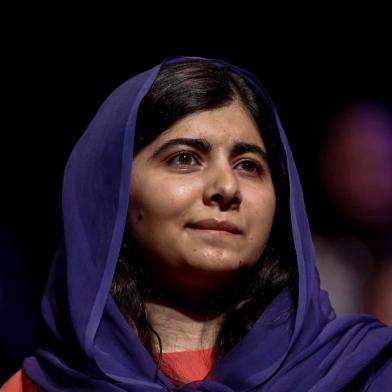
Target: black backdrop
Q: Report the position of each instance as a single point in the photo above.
(55, 78)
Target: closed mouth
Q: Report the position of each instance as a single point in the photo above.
(215, 225)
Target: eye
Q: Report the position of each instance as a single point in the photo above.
(251, 167)
(183, 160)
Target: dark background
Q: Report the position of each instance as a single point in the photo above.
(56, 75)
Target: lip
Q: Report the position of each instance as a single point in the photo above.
(213, 224)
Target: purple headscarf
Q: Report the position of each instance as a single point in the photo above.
(92, 348)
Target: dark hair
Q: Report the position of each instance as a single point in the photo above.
(181, 89)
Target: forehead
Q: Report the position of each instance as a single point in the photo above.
(221, 126)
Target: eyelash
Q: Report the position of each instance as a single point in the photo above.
(172, 159)
(257, 168)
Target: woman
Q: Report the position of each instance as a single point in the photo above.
(192, 219)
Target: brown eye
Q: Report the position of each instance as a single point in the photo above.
(183, 159)
(251, 167)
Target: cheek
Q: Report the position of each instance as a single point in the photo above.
(159, 201)
(261, 211)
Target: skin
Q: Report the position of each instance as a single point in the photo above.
(182, 184)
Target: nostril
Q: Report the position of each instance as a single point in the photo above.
(217, 197)
(226, 202)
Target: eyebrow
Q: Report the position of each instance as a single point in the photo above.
(205, 147)
(243, 147)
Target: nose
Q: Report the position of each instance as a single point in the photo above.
(222, 187)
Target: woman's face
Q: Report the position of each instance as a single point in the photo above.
(202, 200)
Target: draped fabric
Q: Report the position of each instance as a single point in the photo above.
(90, 346)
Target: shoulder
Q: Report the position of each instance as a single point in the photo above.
(19, 383)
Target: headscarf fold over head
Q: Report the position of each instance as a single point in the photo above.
(92, 348)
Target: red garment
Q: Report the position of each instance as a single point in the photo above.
(186, 366)
(19, 383)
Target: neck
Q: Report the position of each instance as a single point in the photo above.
(182, 329)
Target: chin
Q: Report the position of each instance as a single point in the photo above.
(213, 274)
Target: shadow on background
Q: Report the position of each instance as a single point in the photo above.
(18, 307)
